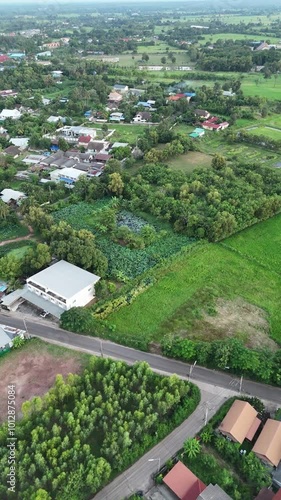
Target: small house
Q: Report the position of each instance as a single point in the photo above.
(14, 114)
(12, 197)
(202, 113)
(115, 97)
(116, 117)
(268, 444)
(198, 132)
(121, 88)
(142, 117)
(240, 422)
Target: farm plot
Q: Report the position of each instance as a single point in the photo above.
(122, 260)
(266, 131)
(180, 294)
(261, 242)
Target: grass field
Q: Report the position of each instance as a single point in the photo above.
(238, 36)
(126, 132)
(265, 131)
(17, 249)
(261, 242)
(213, 143)
(190, 161)
(176, 298)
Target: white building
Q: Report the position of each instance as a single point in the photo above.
(10, 196)
(72, 133)
(7, 336)
(20, 142)
(63, 285)
(69, 175)
(14, 114)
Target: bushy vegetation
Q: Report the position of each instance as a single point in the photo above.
(228, 354)
(90, 427)
(131, 243)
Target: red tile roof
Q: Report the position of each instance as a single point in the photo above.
(183, 483)
(4, 58)
(85, 138)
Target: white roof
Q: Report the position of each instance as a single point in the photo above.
(10, 113)
(120, 145)
(20, 142)
(4, 338)
(64, 279)
(11, 194)
(70, 172)
(54, 119)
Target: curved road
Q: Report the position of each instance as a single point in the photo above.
(50, 332)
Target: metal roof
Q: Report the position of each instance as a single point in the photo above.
(64, 279)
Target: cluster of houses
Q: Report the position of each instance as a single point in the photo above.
(241, 423)
(210, 122)
(121, 92)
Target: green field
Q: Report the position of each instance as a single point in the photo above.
(182, 285)
(238, 36)
(18, 249)
(213, 143)
(265, 131)
(190, 161)
(261, 242)
(12, 231)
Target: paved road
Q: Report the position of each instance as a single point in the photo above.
(51, 332)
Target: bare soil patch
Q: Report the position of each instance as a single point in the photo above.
(33, 370)
(236, 318)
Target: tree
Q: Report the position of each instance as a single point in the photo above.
(36, 258)
(218, 162)
(145, 57)
(116, 184)
(192, 447)
(63, 144)
(4, 210)
(163, 60)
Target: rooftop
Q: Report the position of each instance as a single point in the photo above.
(64, 279)
(268, 443)
(183, 483)
(238, 420)
(213, 492)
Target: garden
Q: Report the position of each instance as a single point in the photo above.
(132, 243)
(90, 427)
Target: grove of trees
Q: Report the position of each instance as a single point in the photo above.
(91, 426)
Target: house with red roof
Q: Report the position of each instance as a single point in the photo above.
(183, 483)
(214, 123)
(4, 58)
(84, 140)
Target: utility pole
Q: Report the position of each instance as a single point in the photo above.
(191, 369)
(26, 330)
(240, 385)
(206, 413)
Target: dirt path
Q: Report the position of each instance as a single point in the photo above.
(20, 238)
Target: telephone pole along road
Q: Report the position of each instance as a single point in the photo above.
(92, 345)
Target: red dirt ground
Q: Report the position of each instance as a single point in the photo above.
(33, 374)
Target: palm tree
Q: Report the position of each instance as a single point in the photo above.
(192, 447)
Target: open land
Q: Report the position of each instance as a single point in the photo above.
(192, 284)
(33, 369)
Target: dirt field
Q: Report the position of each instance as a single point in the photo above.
(33, 370)
(238, 319)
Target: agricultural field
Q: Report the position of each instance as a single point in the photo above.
(33, 369)
(122, 260)
(191, 160)
(12, 231)
(260, 243)
(237, 36)
(213, 143)
(265, 131)
(206, 290)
